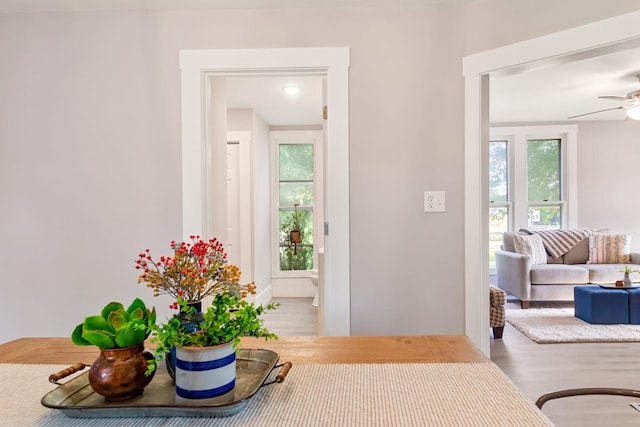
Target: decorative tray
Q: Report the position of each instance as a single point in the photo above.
(76, 398)
(613, 286)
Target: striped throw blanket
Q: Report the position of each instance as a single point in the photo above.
(559, 242)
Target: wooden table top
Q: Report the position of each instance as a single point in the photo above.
(389, 349)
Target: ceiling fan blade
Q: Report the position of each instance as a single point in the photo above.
(616, 98)
(595, 112)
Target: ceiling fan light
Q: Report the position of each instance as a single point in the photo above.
(634, 113)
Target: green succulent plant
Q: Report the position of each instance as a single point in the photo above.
(116, 327)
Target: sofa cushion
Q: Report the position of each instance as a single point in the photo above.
(609, 249)
(603, 273)
(558, 274)
(579, 254)
(532, 246)
(609, 273)
(507, 241)
(552, 260)
(508, 245)
(558, 242)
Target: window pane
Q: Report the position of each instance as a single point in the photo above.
(296, 187)
(296, 162)
(498, 224)
(297, 256)
(498, 187)
(296, 192)
(543, 170)
(545, 217)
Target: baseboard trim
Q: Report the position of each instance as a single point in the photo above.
(262, 298)
(294, 287)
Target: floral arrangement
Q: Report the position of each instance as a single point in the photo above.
(228, 318)
(196, 269)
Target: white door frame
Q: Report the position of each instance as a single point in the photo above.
(586, 41)
(196, 67)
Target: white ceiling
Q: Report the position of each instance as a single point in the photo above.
(557, 92)
(267, 97)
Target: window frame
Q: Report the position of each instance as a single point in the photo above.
(517, 138)
(508, 204)
(277, 138)
(562, 202)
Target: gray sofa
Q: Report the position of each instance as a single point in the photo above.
(555, 280)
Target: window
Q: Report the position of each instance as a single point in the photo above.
(498, 196)
(532, 180)
(544, 179)
(297, 197)
(295, 207)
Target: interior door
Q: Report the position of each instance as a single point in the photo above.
(233, 205)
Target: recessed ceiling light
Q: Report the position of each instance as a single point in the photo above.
(292, 90)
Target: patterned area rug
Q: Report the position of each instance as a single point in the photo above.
(559, 325)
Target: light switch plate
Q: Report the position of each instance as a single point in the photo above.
(434, 201)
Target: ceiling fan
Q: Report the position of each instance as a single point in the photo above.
(633, 104)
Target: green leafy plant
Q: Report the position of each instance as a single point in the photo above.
(228, 318)
(627, 270)
(296, 239)
(115, 326)
(290, 259)
(294, 222)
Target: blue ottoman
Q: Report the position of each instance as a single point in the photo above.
(634, 305)
(602, 306)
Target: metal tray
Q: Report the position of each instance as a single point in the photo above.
(77, 399)
(613, 286)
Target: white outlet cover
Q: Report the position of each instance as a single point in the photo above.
(434, 201)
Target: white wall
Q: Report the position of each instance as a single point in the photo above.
(260, 210)
(113, 96)
(90, 150)
(262, 247)
(89, 165)
(608, 176)
(496, 23)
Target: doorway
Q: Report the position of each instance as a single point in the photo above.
(610, 35)
(197, 66)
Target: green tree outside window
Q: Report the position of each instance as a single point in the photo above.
(296, 185)
(544, 182)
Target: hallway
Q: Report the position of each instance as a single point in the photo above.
(294, 317)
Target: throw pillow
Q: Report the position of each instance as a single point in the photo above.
(609, 249)
(532, 246)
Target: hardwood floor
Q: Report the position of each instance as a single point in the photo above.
(295, 317)
(540, 368)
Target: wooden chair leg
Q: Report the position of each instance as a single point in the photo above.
(524, 304)
(497, 331)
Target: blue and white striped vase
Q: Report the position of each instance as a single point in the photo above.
(191, 325)
(204, 372)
